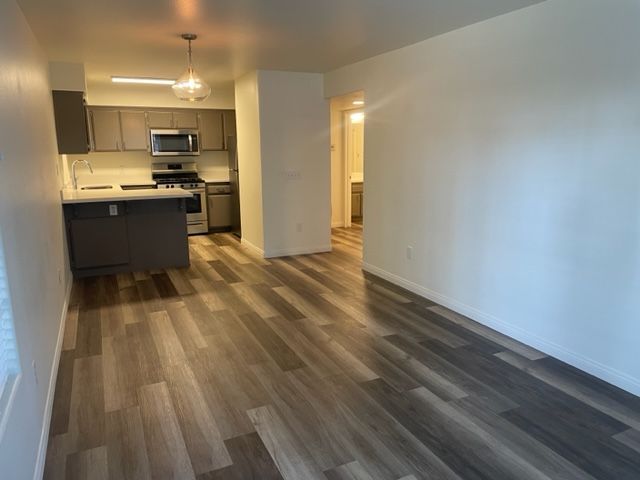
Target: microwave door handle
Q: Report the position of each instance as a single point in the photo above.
(190, 143)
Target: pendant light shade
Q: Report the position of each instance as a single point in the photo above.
(190, 86)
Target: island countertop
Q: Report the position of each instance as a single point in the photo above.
(116, 193)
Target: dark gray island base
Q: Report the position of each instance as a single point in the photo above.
(126, 236)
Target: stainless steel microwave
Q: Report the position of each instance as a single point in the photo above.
(172, 143)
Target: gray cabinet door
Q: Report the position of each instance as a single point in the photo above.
(219, 210)
(211, 134)
(71, 122)
(158, 234)
(185, 120)
(105, 130)
(356, 204)
(160, 119)
(134, 130)
(99, 242)
(229, 118)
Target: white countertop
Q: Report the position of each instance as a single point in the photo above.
(213, 178)
(118, 194)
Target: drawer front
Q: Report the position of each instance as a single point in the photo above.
(96, 210)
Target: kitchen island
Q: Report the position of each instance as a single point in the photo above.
(114, 230)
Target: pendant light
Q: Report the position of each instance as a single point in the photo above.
(190, 86)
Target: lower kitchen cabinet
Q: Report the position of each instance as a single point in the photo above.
(114, 237)
(157, 234)
(357, 193)
(99, 242)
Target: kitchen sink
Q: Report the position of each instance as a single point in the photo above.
(96, 187)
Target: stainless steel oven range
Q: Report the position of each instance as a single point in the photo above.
(185, 175)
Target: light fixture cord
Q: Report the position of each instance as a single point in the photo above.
(190, 64)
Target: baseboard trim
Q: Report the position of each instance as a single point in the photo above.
(251, 246)
(285, 252)
(46, 419)
(337, 224)
(604, 372)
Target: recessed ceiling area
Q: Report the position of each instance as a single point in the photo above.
(142, 37)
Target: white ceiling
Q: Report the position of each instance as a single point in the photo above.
(142, 37)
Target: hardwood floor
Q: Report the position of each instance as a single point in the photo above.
(304, 368)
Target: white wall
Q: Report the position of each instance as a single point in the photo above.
(31, 221)
(101, 93)
(507, 154)
(249, 160)
(294, 135)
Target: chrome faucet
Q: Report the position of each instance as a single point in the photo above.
(74, 179)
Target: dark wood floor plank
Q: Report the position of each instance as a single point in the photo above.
(240, 367)
(88, 465)
(126, 447)
(272, 343)
(168, 456)
(199, 429)
(317, 434)
(289, 454)
(62, 398)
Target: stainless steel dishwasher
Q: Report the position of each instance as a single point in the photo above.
(219, 206)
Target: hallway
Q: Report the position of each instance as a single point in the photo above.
(304, 368)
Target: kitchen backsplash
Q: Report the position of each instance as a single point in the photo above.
(132, 167)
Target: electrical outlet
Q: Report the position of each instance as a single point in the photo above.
(113, 210)
(409, 252)
(298, 227)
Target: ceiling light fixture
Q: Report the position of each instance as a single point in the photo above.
(189, 86)
(143, 80)
(358, 102)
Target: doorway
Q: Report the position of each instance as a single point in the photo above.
(347, 166)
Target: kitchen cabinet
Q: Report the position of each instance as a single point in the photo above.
(229, 119)
(211, 130)
(71, 122)
(176, 119)
(160, 119)
(185, 120)
(357, 199)
(157, 234)
(97, 236)
(125, 236)
(105, 130)
(219, 206)
(133, 125)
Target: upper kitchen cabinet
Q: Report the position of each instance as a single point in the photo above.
(105, 130)
(160, 119)
(229, 119)
(185, 120)
(211, 132)
(172, 119)
(133, 124)
(71, 122)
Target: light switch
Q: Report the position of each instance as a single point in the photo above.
(113, 210)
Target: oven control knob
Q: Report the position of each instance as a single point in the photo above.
(172, 186)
